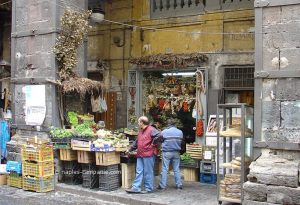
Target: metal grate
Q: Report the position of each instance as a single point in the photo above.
(239, 77)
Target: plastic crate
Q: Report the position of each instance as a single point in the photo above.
(109, 186)
(192, 163)
(38, 169)
(90, 179)
(208, 167)
(15, 180)
(208, 178)
(38, 184)
(115, 167)
(109, 173)
(37, 153)
(90, 176)
(72, 179)
(14, 166)
(71, 165)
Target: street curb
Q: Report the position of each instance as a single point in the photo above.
(105, 196)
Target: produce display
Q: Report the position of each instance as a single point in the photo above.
(108, 139)
(57, 134)
(84, 130)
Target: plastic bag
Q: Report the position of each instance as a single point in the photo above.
(103, 105)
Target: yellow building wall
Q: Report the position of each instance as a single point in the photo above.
(210, 32)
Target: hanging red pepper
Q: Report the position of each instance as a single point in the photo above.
(161, 103)
(199, 128)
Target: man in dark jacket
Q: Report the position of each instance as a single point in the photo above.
(171, 146)
(146, 152)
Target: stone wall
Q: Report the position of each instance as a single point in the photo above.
(274, 176)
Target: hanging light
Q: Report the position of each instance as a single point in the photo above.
(97, 15)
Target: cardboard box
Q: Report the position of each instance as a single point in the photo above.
(3, 179)
(107, 158)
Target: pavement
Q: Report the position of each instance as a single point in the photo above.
(193, 193)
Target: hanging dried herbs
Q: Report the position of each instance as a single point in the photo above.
(169, 61)
(74, 28)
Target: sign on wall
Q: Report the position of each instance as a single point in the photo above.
(35, 104)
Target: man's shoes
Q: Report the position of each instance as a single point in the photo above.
(160, 188)
(146, 192)
(179, 187)
(132, 191)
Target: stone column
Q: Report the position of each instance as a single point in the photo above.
(274, 176)
(35, 26)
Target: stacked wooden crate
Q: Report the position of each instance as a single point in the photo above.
(192, 173)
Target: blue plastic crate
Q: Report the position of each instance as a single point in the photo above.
(208, 178)
(208, 167)
(14, 166)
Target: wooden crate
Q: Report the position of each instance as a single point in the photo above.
(190, 174)
(195, 150)
(67, 154)
(85, 157)
(107, 158)
(81, 145)
(128, 175)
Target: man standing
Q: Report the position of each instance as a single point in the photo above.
(171, 146)
(146, 152)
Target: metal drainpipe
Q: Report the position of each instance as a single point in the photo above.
(123, 60)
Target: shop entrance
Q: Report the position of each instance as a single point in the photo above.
(180, 95)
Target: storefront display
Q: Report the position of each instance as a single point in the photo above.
(163, 95)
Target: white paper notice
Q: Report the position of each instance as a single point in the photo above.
(208, 155)
(35, 106)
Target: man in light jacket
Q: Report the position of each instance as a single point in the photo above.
(171, 146)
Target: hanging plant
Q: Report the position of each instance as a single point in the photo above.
(74, 28)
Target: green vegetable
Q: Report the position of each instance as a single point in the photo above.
(60, 133)
(185, 157)
(73, 118)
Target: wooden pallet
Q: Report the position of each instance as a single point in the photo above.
(195, 150)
